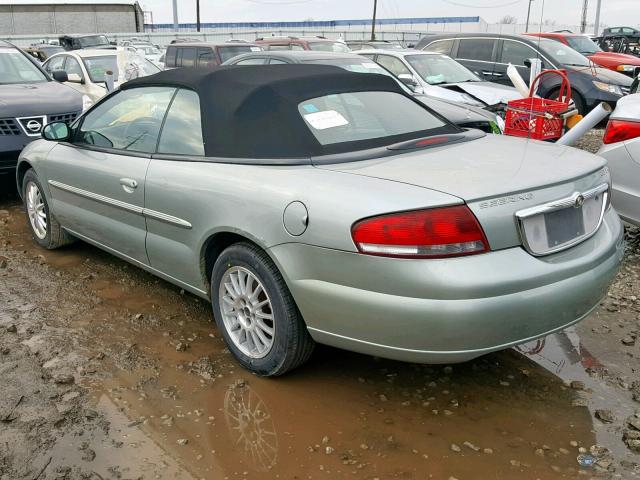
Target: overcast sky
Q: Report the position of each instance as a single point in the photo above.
(567, 12)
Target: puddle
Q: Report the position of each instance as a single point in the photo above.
(182, 407)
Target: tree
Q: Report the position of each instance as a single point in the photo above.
(508, 20)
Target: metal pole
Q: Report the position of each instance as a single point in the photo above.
(373, 21)
(596, 26)
(526, 29)
(583, 21)
(198, 15)
(175, 16)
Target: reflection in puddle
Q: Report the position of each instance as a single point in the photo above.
(250, 426)
(565, 355)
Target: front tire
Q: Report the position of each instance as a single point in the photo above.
(256, 313)
(45, 229)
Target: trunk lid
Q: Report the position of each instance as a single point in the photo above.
(496, 176)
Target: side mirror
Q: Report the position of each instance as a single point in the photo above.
(408, 80)
(75, 78)
(56, 132)
(527, 63)
(60, 76)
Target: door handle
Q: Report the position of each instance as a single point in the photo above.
(128, 184)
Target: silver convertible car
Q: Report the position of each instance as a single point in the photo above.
(312, 204)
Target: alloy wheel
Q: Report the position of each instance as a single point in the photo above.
(247, 312)
(36, 210)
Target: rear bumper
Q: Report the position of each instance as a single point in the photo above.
(449, 310)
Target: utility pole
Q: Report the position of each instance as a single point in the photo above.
(198, 15)
(526, 29)
(596, 26)
(373, 22)
(583, 21)
(176, 25)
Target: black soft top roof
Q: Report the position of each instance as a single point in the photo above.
(252, 111)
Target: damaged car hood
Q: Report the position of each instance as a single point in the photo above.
(486, 92)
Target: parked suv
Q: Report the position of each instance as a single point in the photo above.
(321, 44)
(618, 62)
(203, 54)
(78, 42)
(29, 99)
(489, 55)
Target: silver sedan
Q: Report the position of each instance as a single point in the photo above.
(622, 150)
(312, 204)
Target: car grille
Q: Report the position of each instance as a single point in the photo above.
(63, 117)
(8, 126)
(625, 90)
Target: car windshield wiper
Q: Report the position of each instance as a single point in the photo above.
(576, 65)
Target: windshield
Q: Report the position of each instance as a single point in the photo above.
(563, 53)
(97, 67)
(16, 68)
(358, 116)
(438, 69)
(227, 53)
(93, 41)
(584, 45)
(329, 47)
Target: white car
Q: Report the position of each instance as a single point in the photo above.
(150, 52)
(440, 76)
(622, 150)
(86, 69)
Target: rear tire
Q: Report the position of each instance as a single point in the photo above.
(45, 229)
(577, 100)
(256, 313)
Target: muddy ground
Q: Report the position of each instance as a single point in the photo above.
(107, 372)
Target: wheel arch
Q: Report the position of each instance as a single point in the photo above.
(216, 243)
(21, 171)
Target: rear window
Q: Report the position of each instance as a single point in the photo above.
(329, 47)
(357, 116)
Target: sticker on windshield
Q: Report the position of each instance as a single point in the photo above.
(310, 108)
(326, 119)
(256, 49)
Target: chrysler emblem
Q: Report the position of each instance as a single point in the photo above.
(33, 126)
(579, 201)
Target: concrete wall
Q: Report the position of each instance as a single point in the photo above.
(68, 19)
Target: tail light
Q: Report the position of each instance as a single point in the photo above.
(621, 130)
(432, 233)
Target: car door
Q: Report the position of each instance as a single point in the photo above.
(478, 55)
(206, 57)
(77, 78)
(518, 54)
(54, 63)
(173, 224)
(97, 180)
